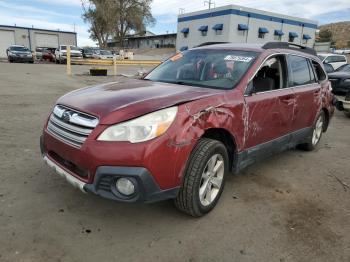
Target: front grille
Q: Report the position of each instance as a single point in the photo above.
(83, 173)
(71, 126)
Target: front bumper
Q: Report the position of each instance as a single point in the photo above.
(21, 58)
(104, 183)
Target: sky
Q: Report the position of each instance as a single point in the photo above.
(66, 14)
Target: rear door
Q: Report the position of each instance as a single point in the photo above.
(307, 91)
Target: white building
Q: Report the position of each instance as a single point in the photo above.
(33, 38)
(238, 24)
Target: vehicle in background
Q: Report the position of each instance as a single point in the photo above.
(88, 52)
(45, 54)
(342, 51)
(340, 80)
(61, 53)
(328, 68)
(333, 59)
(199, 116)
(19, 53)
(104, 54)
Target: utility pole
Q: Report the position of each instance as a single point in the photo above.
(209, 3)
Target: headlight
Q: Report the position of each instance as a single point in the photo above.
(141, 129)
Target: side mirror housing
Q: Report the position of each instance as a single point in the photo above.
(250, 89)
(329, 68)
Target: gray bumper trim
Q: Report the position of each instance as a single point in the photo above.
(60, 171)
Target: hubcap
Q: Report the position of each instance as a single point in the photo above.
(211, 180)
(317, 131)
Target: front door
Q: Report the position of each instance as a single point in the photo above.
(270, 108)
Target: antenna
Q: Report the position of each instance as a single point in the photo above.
(181, 11)
(209, 3)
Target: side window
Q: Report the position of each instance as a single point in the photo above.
(299, 73)
(312, 72)
(320, 74)
(271, 75)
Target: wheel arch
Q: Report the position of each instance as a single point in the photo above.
(224, 136)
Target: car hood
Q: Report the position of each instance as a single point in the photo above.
(21, 52)
(119, 101)
(339, 75)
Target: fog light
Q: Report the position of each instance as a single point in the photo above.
(125, 186)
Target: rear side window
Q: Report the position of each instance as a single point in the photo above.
(299, 72)
(320, 74)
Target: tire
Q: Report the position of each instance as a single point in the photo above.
(347, 113)
(201, 189)
(316, 135)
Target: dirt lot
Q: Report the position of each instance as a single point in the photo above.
(288, 208)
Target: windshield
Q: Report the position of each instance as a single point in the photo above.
(220, 69)
(72, 48)
(105, 52)
(344, 68)
(19, 49)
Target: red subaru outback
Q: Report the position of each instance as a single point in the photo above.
(179, 131)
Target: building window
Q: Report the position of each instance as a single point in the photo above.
(218, 29)
(306, 38)
(278, 38)
(292, 36)
(204, 30)
(262, 32)
(278, 35)
(185, 31)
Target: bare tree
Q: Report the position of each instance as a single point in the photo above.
(116, 18)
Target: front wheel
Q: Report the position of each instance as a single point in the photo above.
(204, 178)
(317, 131)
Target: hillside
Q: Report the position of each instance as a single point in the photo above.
(341, 33)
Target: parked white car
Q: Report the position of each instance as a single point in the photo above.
(342, 51)
(104, 54)
(61, 53)
(333, 59)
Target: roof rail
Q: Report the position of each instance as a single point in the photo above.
(291, 46)
(211, 43)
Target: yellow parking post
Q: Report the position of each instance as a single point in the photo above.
(69, 68)
(115, 65)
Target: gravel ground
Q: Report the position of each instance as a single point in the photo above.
(288, 208)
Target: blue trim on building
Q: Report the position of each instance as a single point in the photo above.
(37, 29)
(263, 30)
(203, 28)
(218, 27)
(243, 27)
(246, 14)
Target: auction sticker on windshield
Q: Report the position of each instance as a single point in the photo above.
(235, 58)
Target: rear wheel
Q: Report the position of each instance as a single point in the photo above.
(204, 178)
(317, 131)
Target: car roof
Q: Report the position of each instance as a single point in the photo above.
(328, 54)
(17, 46)
(259, 48)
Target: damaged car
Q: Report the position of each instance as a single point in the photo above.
(178, 132)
